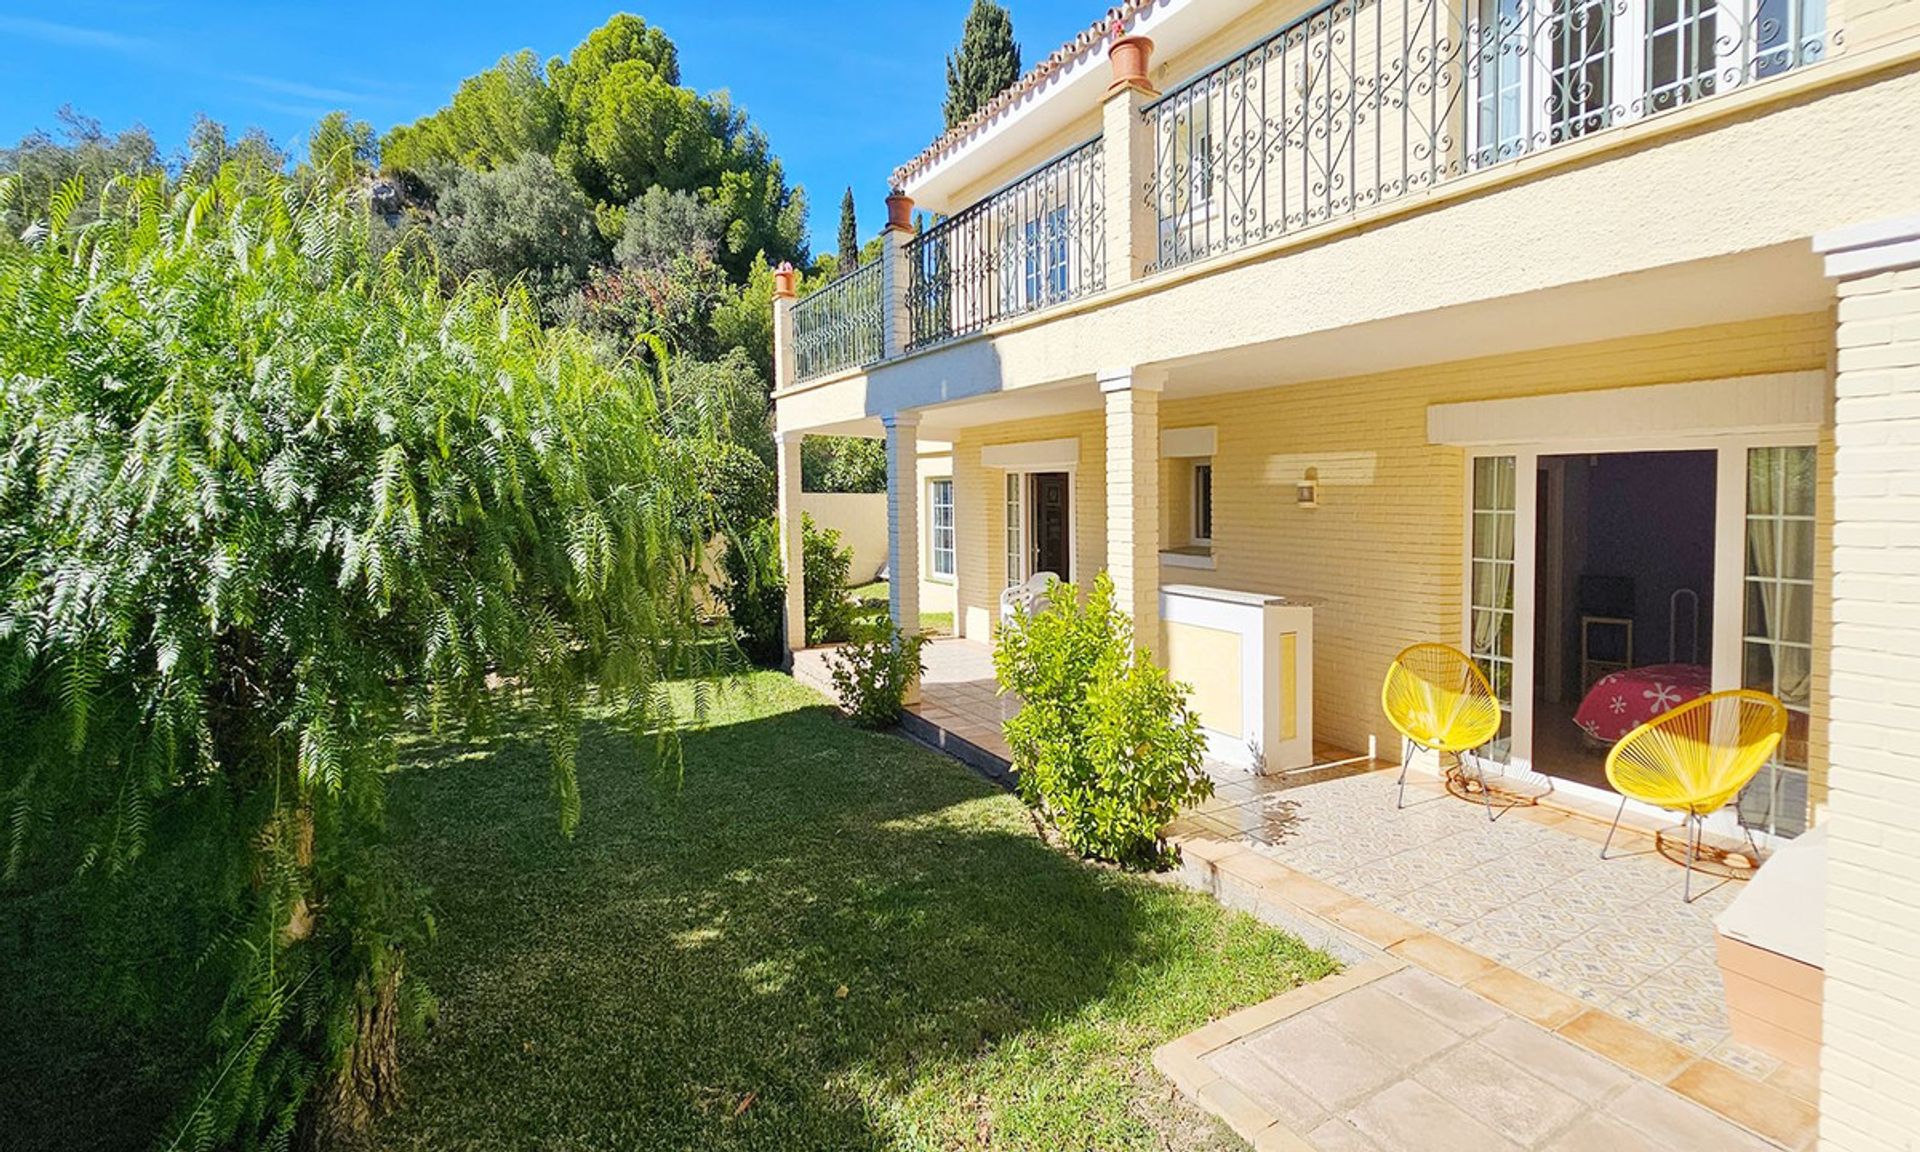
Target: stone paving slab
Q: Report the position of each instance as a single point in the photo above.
(1388, 1057)
(1424, 1043)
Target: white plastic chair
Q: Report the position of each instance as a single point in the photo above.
(1031, 595)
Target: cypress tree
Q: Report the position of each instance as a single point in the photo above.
(849, 234)
(986, 63)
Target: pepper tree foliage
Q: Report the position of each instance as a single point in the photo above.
(986, 63)
(266, 501)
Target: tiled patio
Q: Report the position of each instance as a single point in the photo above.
(1519, 992)
(1582, 971)
(1528, 890)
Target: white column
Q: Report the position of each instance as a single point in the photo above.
(1133, 498)
(1870, 1056)
(787, 461)
(903, 519)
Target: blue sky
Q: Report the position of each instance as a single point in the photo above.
(846, 89)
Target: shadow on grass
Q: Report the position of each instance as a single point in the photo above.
(817, 921)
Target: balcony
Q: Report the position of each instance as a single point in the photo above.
(1362, 102)
(1351, 107)
(1038, 242)
(842, 324)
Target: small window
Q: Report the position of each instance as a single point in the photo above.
(940, 506)
(1203, 503)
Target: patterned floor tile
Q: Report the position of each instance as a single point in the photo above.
(1755, 1062)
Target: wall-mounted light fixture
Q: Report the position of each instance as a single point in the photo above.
(1307, 492)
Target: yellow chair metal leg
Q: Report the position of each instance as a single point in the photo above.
(1608, 843)
(1406, 761)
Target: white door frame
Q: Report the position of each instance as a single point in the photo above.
(1024, 486)
(1729, 576)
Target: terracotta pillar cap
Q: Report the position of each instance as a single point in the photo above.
(783, 281)
(899, 211)
(1130, 58)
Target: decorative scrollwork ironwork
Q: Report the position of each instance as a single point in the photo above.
(1039, 242)
(841, 324)
(1361, 102)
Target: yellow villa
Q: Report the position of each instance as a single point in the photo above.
(1581, 335)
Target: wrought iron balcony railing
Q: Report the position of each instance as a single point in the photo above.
(841, 324)
(1361, 102)
(1038, 242)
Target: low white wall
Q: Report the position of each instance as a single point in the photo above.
(861, 520)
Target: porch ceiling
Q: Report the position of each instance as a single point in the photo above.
(1779, 281)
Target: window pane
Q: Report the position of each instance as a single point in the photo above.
(1493, 535)
(1797, 480)
(1796, 549)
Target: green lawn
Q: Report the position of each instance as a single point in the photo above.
(938, 623)
(824, 939)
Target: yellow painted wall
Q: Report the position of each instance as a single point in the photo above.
(980, 510)
(1382, 552)
(1207, 660)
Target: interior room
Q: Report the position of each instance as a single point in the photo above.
(1624, 580)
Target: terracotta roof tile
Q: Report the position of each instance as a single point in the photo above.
(950, 141)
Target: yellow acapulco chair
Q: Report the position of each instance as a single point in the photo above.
(1695, 759)
(1437, 698)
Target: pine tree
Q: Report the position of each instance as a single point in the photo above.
(849, 234)
(986, 63)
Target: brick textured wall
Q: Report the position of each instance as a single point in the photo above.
(1870, 1067)
(1382, 553)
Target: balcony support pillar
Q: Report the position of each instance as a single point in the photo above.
(792, 555)
(1132, 225)
(903, 519)
(1132, 400)
(896, 276)
(785, 367)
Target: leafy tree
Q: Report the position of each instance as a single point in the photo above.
(744, 319)
(613, 115)
(266, 502)
(663, 224)
(42, 164)
(495, 117)
(986, 63)
(341, 151)
(209, 150)
(849, 234)
(672, 303)
(728, 396)
(525, 220)
(843, 464)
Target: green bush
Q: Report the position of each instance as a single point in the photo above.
(827, 567)
(871, 675)
(1105, 745)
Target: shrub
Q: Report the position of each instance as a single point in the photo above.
(754, 591)
(871, 675)
(826, 566)
(1105, 745)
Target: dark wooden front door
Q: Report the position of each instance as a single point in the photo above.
(1050, 534)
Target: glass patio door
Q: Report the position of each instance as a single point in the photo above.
(1777, 626)
(1492, 570)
